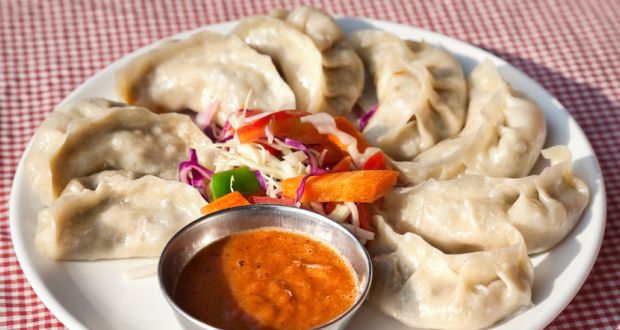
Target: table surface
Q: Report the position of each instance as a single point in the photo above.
(572, 48)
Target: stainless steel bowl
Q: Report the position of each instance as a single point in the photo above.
(210, 228)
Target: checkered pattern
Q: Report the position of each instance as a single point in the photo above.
(571, 47)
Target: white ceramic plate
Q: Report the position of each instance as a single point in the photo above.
(95, 295)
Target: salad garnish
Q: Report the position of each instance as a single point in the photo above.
(292, 158)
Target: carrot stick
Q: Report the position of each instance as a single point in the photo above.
(354, 186)
(227, 201)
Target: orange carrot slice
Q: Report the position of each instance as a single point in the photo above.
(345, 125)
(354, 186)
(227, 201)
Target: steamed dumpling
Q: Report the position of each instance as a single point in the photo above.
(422, 287)
(318, 26)
(102, 136)
(121, 218)
(502, 137)
(421, 90)
(91, 182)
(464, 214)
(50, 135)
(322, 69)
(205, 72)
(132, 139)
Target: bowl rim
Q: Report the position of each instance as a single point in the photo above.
(363, 290)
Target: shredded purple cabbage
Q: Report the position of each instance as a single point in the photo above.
(313, 162)
(365, 118)
(261, 180)
(300, 190)
(217, 133)
(193, 173)
(204, 117)
(202, 120)
(212, 131)
(223, 130)
(224, 139)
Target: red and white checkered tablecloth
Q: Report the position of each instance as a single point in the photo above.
(571, 47)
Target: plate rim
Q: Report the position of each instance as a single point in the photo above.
(68, 319)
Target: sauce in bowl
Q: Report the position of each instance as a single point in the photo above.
(266, 279)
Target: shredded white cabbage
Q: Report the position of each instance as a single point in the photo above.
(362, 235)
(355, 216)
(269, 134)
(256, 117)
(322, 157)
(273, 186)
(139, 272)
(235, 120)
(317, 207)
(208, 109)
(231, 154)
(340, 213)
(232, 182)
(295, 157)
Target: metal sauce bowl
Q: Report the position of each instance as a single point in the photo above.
(210, 228)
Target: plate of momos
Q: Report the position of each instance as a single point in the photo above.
(497, 223)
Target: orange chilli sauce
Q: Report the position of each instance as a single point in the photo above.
(266, 279)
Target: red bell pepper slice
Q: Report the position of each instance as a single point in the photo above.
(283, 123)
(253, 131)
(343, 165)
(364, 215)
(333, 154)
(375, 162)
(288, 123)
(273, 151)
(329, 207)
(346, 126)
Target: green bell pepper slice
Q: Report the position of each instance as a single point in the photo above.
(238, 179)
